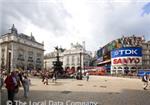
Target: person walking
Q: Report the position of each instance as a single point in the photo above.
(1, 80)
(145, 80)
(43, 77)
(46, 78)
(26, 83)
(16, 72)
(11, 84)
(20, 74)
(54, 77)
(87, 76)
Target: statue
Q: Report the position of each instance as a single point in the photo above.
(58, 69)
(13, 30)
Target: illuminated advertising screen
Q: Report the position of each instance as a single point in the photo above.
(127, 56)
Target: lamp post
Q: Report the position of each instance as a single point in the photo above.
(136, 65)
(80, 66)
(9, 61)
(45, 65)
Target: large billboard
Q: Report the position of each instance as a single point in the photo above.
(127, 56)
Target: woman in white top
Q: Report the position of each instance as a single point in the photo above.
(87, 76)
(26, 83)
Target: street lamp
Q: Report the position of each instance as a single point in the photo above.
(45, 65)
(80, 66)
(9, 61)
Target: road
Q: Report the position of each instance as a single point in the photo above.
(99, 90)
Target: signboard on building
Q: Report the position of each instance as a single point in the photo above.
(127, 56)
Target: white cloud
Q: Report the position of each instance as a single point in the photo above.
(62, 22)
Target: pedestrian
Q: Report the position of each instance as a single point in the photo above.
(87, 76)
(42, 75)
(18, 81)
(46, 78)
(145, 80)
(26, 83)
(11, 84)
(54, 78)
(1, 81)
(20, 74)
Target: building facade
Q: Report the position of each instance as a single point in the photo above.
(19, 51)
(50, 58)
(104, 57)
(72, 59)
(146, 55)
(76, 57)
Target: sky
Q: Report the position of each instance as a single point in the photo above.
(62, 22)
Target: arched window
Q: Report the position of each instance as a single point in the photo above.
(133, 67)
(126, 68)
(114, 67)
(119, 67)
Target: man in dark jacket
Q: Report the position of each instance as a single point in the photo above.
(145, 79)
(11, 83)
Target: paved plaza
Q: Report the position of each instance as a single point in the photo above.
(99, 90)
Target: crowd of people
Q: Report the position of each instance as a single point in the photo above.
(13, 81)
(46, 75)
(16, 79)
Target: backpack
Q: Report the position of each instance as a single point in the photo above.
(144, 79)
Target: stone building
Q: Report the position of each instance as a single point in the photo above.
(146, 55)
(76, 56)
(20, 51)
(50, 58)
(72, 58)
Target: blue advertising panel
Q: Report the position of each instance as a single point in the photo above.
(127, 51)
(143, 72)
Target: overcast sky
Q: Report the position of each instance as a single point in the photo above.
(61, 22)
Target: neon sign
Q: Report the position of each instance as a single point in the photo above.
(128, 51)
(126, 60)
(128, 55)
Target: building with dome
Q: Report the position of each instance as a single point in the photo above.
(20, 51)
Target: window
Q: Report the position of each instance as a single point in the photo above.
(30, 52)
(20, 54)
(30, 56)
(114, 71)
(38, 54)
(133, 67)
(114, 67)
(67, 59)
(119, 67)
(78, 60)
(126, 68)
(38, 60)
(72, 59)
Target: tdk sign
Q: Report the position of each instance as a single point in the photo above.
(127, 51)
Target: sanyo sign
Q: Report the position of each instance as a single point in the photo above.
(128, 55)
